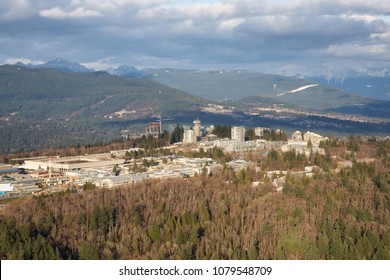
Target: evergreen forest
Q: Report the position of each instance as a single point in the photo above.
(338, 213)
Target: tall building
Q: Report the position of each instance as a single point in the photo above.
(188, 136)
(197, 126)
(238, 133)
(153, 128)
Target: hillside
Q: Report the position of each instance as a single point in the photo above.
(332, 215)
(237, 85)
(44, 107)
(370, 83)
(46, 93)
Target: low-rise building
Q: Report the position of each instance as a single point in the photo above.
(297, 136)
(259, 131)
(302, 148)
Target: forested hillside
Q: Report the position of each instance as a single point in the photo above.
(333, 215)
(41, 108)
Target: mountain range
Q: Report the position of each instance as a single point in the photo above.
(42, 107)
(369, 83)
(375, 84)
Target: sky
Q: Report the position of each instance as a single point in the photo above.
(272, 36)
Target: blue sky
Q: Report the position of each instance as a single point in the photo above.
(284, 37)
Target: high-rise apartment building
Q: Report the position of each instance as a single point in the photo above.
(197, 126)
(238, 133)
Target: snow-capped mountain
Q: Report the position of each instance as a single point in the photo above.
(371, 83)
(124, 70)
(65, 65)
(60, 64)
(334, 76)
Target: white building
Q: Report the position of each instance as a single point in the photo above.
(259, 131)
(297, 136)
(188, 136)
(302, 148)
(6, 187)
(238, 133)
(314, 138)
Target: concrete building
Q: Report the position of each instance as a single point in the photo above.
(153, 128)
(238, 133)
(238, 165)
(314, 138)
(197, 127)
(259, 131)
(302, 148)
(72, 163)
(188, 136)
(297, 136)
(118, 181)
(6, 187)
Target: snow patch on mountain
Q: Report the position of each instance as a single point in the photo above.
(338, 76)
(298, 89)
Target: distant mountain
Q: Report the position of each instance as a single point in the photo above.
(61, 65)
(54, 93)
(124, 70)
(236, 85)
(374, 84)
(65, 65)
(41, 107)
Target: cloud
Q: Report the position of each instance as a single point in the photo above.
(58, 13)
(275, 35)
(14, 9)
(22, 60)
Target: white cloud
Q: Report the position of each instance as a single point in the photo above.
(279, 34)
(55, 12)
(230, 24)
(81, 13)
(357, 49)
(22, 60)
(15, 9)
(102, 64)
(58, 13)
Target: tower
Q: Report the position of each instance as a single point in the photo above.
(197, 125)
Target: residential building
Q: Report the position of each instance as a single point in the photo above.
(238, 133)
(259, 131)
(153, 128)
(188, 136)
(197, 127)
(297, 136)
(314, 138)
